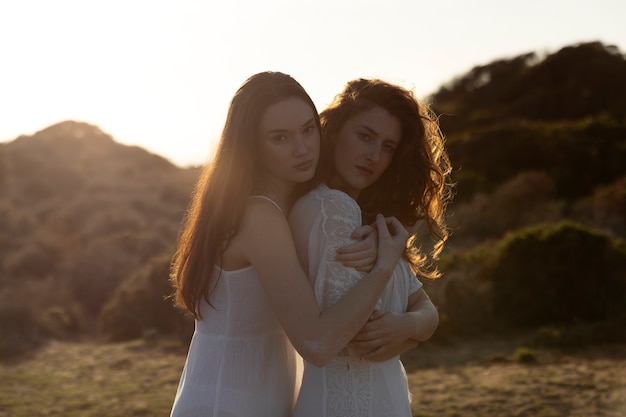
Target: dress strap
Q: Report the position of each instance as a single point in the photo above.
(270, 200)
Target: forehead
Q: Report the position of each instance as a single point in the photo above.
(380, 122)
(289, 113)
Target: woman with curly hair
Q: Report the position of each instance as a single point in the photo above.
(382, 152)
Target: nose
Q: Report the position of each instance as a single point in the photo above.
(299, 146)
(373, 153)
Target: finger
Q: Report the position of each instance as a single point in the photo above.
(396, 229)
(357, 263)
(365, 268)
(362, 246)
(393, 225)
(381, 225)
(361, 232)
(374, 353)
(376, 314)
(365, 346)
(371, 335)
(362, 336)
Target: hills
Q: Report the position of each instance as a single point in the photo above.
(87, 224)
(79, 213)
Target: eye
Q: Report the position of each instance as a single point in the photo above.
(365, 137)
(387, 147)
(279, 138)
(309, 129)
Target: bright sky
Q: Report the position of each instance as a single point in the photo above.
(160, 73)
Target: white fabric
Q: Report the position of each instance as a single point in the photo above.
(321, 222)
(240, 362)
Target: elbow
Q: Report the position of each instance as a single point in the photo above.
(316, 354)
(433, 323)
(319, 359)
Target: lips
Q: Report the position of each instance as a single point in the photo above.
(304, 166)
(364, 170)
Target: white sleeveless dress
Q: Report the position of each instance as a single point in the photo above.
(321, 222)
(240, 362)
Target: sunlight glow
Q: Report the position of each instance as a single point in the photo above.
(160, 74)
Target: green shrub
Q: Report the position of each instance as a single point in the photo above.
(57, 321)
(463, 296)
(140, 306)
(19, 331)
(581, 334)
(558, 274)
(524, 355)
(547, 275)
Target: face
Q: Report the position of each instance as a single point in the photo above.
(364, 149)
(289, 141)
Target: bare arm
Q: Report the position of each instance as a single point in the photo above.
(318, 336)
(388, 334)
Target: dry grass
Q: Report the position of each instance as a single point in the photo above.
(497, 378)
(88, 379)
(469, 378)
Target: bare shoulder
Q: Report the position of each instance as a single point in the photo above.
(266, 240)
(261, 208)
(263, 220)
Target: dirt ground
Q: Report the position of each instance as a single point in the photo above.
(483, 377)
(479, 377)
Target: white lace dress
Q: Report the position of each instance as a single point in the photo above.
(240, 362)
(321, 222)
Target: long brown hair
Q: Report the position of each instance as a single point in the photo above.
(416, 185)
(219, 198)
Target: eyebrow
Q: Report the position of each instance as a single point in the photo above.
(308, 122)
(369, 129)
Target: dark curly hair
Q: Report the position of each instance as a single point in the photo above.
(416, 185)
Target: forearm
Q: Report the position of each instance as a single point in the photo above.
(422, 318)
(345, 318)
(425, 324)
(389, 334)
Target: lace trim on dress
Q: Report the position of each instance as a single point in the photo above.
(341, 215)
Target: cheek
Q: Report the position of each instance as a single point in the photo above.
(314, 143)
(272, 157)
(387, 160)
(346, 147)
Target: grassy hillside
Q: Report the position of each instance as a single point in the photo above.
(532, 302)
(87, 225)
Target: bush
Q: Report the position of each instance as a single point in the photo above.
(524, 355)
(523, 201)
(547, 275)
(19, 331)
(558, 274)
(141, 305)
(605, 209)
(581, 334)
(463, 296)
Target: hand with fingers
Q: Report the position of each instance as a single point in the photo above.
(392, 237)
(385, 335)
(382, 245)
(361, 255)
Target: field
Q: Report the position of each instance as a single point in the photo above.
(485, 378)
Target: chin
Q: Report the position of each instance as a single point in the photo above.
(304, 176)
